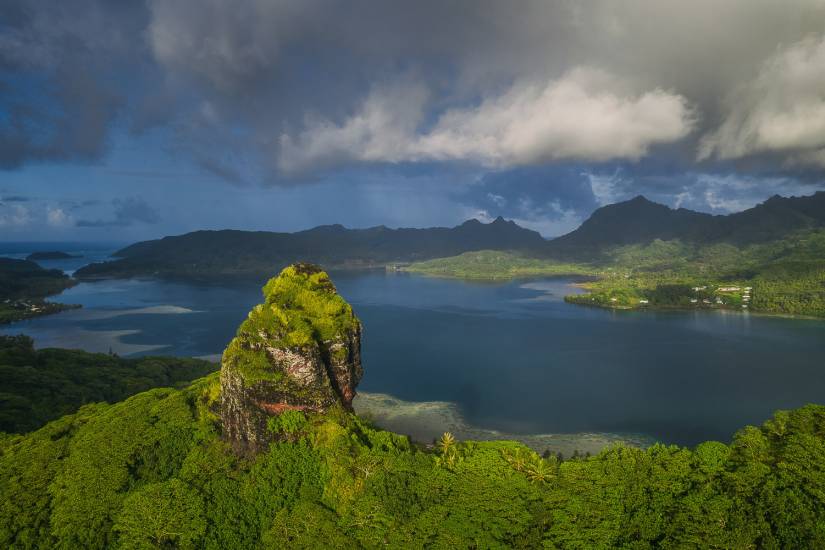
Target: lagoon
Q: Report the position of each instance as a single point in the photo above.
(506, 358)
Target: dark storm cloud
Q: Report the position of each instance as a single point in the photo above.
(60, 64)
(278, 91)
(128, 211)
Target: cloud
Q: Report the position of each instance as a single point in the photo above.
(57, 217)
(262, 66)
(280, 92)
(14, 215)
(57, 97)
(127, 212)
(584, 115)
(230, 45)
(782, 110)
(712, 192)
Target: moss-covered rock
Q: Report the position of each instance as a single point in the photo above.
(299, 350)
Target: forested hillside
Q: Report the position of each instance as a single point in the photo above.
(24, 285)
(218, 254)
(640, 221)
(641, 254)
(153, 471)
(42, 385)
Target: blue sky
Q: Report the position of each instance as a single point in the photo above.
(134, 120)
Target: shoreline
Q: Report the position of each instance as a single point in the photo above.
(584, 285)
(425, 421)
(679, 309)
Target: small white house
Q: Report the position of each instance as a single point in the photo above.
(693, 300)
(643, 301)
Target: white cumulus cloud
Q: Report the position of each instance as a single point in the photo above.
(57, 217)
(586, 115)
(14, 215)
(782, 110)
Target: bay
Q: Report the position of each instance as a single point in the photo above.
(501, 359)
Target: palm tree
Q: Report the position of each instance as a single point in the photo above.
(446, 443)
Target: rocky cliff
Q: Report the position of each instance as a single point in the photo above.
(299, 350)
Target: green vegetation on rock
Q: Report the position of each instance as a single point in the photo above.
(298, 351)
(301, 309)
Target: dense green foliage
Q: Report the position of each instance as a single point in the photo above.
(24, 284)
(785, 276)
(495, 264)
(39, 386)
(152, 472)
(23, 279)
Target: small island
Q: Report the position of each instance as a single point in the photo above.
(24, 285)
(51, 255)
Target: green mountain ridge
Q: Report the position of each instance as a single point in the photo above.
(231, 253)
(210, 254)
(643, 254)
(640, 221)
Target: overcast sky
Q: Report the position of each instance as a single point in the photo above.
(128, 120)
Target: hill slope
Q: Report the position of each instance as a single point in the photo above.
(153, 472)
(24, 285)
(640, 221)
(207, 254)
(42, 385)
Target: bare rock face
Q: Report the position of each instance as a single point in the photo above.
(299, 350)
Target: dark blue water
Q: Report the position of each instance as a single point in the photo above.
(513, 356)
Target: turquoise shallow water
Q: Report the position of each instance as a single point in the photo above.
(512, 357)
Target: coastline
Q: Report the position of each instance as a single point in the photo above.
(426, 421)
(690, 309)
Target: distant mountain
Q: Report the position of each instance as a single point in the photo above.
(775, 218)
(50, 255)
(640, 221)
(215, 254)
(633, 221)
